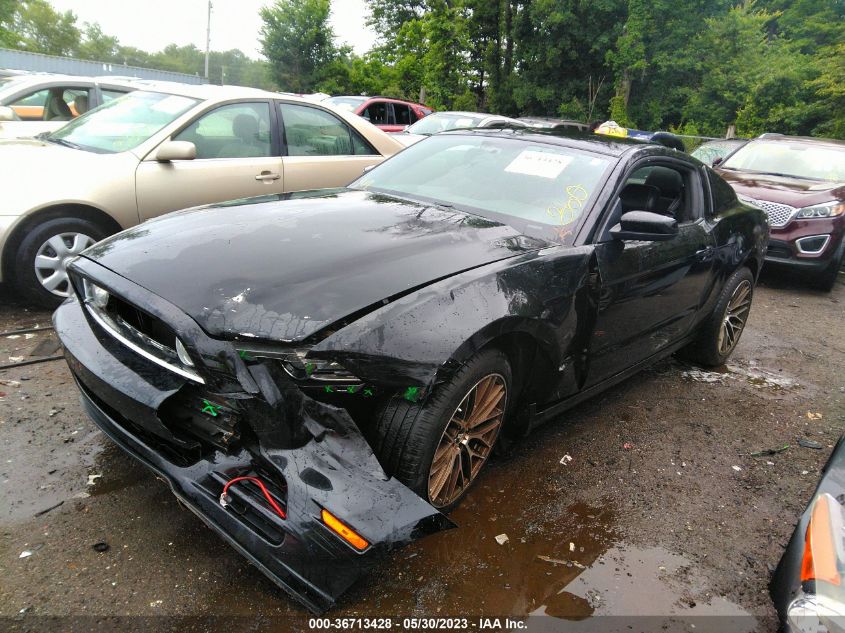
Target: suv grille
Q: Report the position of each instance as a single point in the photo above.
(778, 214)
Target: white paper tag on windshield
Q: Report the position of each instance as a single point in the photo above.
(542, 164)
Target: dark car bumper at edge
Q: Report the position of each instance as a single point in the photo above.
(332, 471)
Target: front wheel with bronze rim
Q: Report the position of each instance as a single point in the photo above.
(439, 448)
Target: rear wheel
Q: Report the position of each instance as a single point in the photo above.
(720, 333)
(439, 448)
(44, 254)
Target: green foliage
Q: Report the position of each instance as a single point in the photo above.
(696, 66)
(42, 29)
(297, 40)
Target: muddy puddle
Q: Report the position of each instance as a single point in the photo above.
(766, 381)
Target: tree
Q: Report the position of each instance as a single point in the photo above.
(8, 9)
(299, 43)
(96, 45)
(42, 29)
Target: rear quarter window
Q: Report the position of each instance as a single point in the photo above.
(724, 197)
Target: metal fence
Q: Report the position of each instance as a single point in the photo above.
(36, 62)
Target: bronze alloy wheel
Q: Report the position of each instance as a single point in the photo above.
(468, 440)
(736, 314)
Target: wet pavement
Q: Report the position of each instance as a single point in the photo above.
(663, 513)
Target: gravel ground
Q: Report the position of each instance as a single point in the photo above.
(661, 512)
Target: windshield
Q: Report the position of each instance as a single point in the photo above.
(541, 189)
(784, 158)
(710, 151)
(123, 123)
(346, 103)
(442, 121)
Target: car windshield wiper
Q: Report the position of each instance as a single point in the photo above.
(61, 141)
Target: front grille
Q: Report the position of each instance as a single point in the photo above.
(779, 250)
(778, 214)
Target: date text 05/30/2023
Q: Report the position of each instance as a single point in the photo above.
(417, 624)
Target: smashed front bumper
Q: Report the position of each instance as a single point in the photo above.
(332, 468)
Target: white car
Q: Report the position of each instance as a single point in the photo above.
(31, 104)
(443, 121)
(158, 150)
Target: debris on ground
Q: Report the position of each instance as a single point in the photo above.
(770, 451)
(553, 561)
(571, 547)
(29, 552)
(10, 383)
(702, 376)
(565, 459)
(501, 539)
(809, 444)
(814, 416)
(627, 446)
(100, 546)
(736, 468)
(92, 479)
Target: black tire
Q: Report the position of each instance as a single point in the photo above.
(407, 434)
(827, 279)
(25, 277)
(706, 349)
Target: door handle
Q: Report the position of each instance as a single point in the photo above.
(705, 253)
(267, 176)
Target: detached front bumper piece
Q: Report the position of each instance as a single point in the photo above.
(331, 473)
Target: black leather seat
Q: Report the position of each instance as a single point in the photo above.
(670, 185)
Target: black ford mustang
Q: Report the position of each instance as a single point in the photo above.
(321, 378)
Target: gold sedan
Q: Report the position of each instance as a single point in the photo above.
(158, 150)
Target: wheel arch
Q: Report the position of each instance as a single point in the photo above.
(74, 210)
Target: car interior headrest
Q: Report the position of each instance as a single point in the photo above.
(637, 197)
(668, 181)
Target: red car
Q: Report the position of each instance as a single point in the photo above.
(800, 183)
(391, 115)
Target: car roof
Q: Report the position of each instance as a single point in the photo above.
(611, 145)
(809, 140)
(211, 92)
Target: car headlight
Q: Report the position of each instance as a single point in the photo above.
(299, 367)
(182, 353)
(826, 210)
(94, 294)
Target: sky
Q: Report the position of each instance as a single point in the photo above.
(234, 23)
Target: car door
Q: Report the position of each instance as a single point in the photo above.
(649, 292)
(320, 150)
(237, 157)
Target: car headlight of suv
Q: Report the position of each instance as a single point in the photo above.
(826, 210)
(298, 366)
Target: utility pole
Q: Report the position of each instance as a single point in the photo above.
(208, 40)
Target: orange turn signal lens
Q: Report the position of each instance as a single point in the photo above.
(819, 562)
(344, 531)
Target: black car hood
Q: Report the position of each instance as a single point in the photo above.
(284, 269)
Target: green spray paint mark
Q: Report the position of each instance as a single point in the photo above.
(329, 389)
(412, 394)
(210, 408)
(245, 355)
(368, 392)
(352, 388)
(309, 368)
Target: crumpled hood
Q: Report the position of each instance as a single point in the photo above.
(796, 192)
(284, 269)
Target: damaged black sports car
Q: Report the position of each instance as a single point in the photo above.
(320, 377)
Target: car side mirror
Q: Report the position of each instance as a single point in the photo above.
(7, 114)
(717, 161)
(645, 226)
(176, 150)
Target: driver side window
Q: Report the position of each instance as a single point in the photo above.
(665, 189)
(238, 130)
